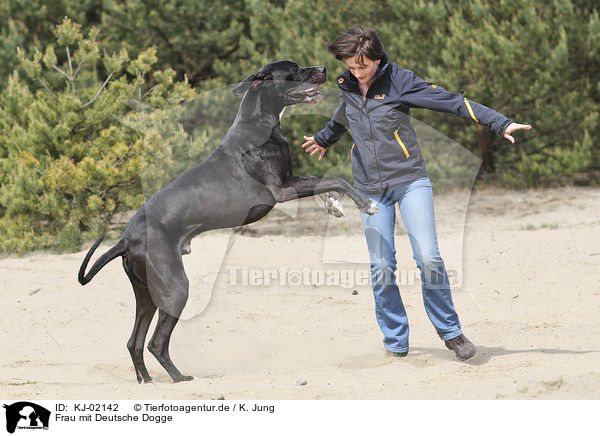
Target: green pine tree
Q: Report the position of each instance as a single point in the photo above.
(67, 164)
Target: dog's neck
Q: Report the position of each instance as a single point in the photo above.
(259, 107)
(256, 121)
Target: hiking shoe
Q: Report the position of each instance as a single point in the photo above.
(463, 348)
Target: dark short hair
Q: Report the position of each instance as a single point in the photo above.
(357, 43)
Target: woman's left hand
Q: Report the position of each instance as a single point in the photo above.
(512, 127)
(313, 147)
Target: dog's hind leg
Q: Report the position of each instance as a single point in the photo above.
(159, 345)
(169, 288)
(144, 312)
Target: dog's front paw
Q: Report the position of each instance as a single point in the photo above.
(371, 209)
(334, 207)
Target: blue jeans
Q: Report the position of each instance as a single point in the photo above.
(415, 200)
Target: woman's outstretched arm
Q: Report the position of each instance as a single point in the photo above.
(416, 92)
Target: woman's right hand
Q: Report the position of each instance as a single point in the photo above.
(313, 146)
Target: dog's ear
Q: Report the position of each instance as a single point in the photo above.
(253, 81)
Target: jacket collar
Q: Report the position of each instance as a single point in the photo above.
(348, 82)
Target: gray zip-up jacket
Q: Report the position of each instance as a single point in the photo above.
(385, 150)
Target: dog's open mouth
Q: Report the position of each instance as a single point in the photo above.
(313, 91)
(311, 94)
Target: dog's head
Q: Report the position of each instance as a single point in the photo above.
(286, 82)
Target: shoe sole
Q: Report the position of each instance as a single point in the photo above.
(466, 358)
(396, 354)
(461, 358)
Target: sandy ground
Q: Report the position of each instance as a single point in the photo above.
(527, 290)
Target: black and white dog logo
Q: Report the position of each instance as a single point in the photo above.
(26, 415)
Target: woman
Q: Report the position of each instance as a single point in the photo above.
(387, 165)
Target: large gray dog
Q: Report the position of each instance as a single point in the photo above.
(239, 183)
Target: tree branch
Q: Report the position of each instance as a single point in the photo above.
(175, 98)
(62, 72)
(98, 93)
(78, 68)
(151, 89)
(71, 70)
(44, 85)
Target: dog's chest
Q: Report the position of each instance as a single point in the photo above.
(269, 163)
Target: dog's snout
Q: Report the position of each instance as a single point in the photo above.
(320, 73)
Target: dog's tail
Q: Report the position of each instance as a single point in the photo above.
(114, 252)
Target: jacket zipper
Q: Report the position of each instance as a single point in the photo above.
(371, 126)
(372, 142)
(364, 110)
(401, 143)
(469, 106)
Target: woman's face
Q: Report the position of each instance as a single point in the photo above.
(365, 73)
